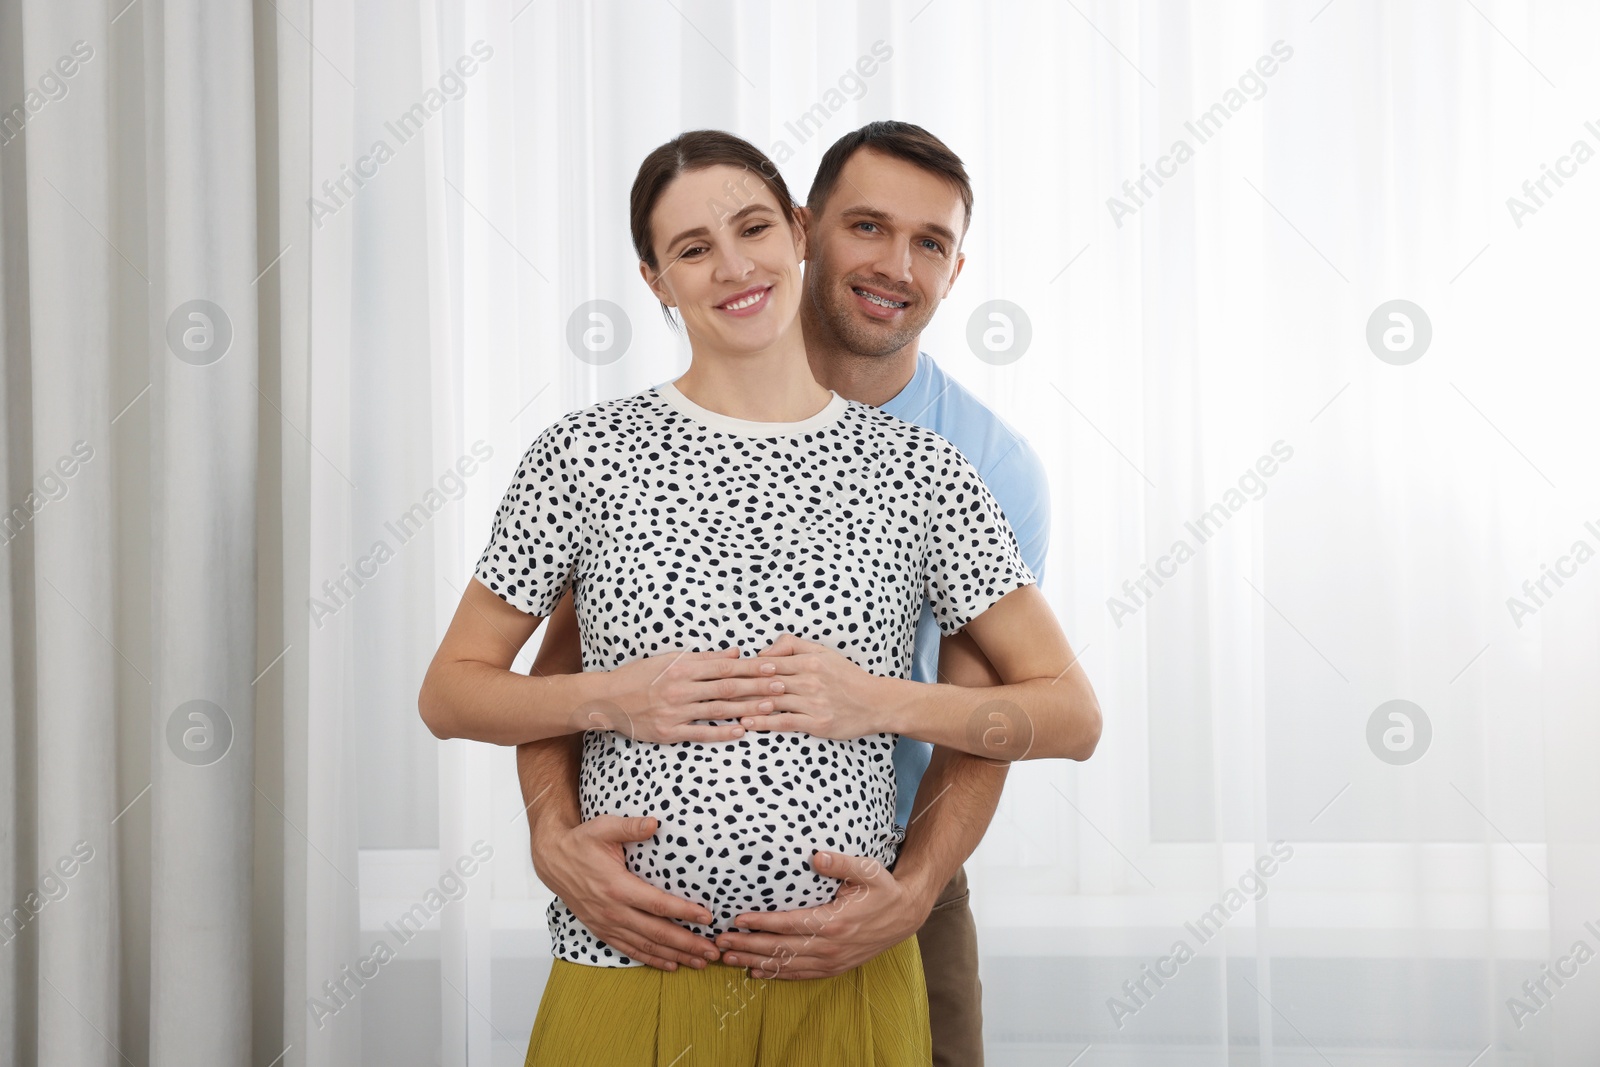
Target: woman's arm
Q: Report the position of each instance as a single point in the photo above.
(470, 690)
(1045, 709)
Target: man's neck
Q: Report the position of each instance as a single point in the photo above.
(874, 380)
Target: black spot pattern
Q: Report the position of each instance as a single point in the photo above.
(676, 535)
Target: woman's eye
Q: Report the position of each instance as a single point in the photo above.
(757, 228)
(690, 253)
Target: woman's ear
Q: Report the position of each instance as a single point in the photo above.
(652, 278)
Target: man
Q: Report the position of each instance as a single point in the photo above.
(885, 218)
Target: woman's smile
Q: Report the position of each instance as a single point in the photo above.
(746, 302)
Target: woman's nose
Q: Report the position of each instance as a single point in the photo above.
(733, 265)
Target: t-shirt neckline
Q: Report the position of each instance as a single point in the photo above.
(827, 416)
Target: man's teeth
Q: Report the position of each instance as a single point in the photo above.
(880, 301)
(746, 302)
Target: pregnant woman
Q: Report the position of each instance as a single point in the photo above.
(697, 524)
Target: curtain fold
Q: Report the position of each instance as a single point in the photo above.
(72, 272)
(205, 399)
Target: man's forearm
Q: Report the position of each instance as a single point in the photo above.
(955, 802)
(548, 771)
(1036, 719)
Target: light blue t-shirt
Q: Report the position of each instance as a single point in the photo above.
(1013, 473)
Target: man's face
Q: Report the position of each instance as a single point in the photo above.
(883, 252)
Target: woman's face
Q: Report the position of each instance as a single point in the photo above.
(727, 258)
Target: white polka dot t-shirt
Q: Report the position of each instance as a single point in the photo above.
(679, 528)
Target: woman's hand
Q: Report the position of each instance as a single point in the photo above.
(662, 696)
(825, 693)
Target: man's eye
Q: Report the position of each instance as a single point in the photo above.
(861, 225)
(933, 246)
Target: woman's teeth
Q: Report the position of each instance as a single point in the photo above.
(876, 299)
(738, 305)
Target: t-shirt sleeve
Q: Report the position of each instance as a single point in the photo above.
(973, 559)
(1018, 481)
(533, 547)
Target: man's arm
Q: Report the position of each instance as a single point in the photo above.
(582, 863)
(958, 795)
(877, 909)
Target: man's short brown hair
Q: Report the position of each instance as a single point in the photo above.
(901, 140)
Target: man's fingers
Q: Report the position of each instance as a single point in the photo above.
(751, 946)
(646, 897)
(653, 910)
(620, 829)
(801, 921)
(787, 968)
(662, 938)
(633, 952)
(863, 870)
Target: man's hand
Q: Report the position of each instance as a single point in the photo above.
(871, 913)
(585, 867)
(825, 694)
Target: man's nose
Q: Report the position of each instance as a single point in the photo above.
(895, 262)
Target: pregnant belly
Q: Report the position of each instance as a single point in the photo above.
(739, 820)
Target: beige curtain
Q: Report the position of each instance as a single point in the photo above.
(155, 463)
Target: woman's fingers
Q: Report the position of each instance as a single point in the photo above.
(711, 667)
(778, 720)
(704, 734)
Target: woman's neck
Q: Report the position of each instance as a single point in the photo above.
(773, 385)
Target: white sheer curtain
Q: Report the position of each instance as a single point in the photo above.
(404, 215)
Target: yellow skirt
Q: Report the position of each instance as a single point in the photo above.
(873, 1016)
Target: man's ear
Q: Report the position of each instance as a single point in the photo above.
(961, 261)
(803, 214)
(652, 278)
(798, 230)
